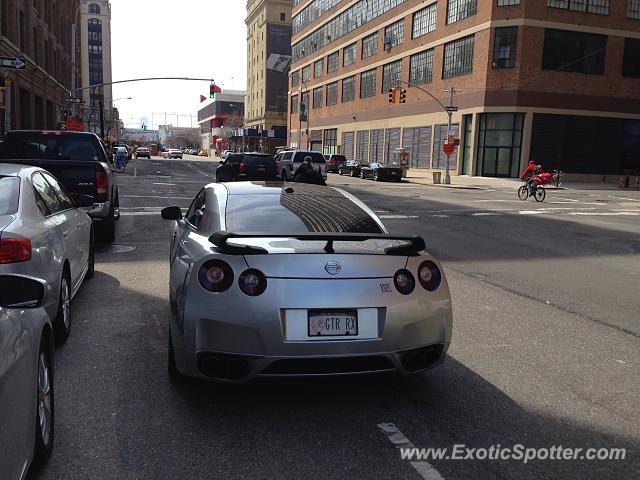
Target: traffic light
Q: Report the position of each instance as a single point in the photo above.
(392, 95)
(403, 96)
(212, 90)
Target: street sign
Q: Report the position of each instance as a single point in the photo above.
(16, 63)
(451, 109)
(72, 100)
(448, 149)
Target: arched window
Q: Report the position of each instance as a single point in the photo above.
(94, 8)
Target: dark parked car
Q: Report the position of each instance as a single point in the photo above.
(79, 161)
(334, 162)
(379, 171)
(246, 166)
(143, 152)
(350, 167)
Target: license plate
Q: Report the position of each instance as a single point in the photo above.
(260, 169)
(332, 323)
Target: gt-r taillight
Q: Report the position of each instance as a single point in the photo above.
(15, 250)
(429, 275)
(404, 281)
(102, 183)
(215, 276)
(252, 282)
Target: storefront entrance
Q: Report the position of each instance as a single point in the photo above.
(499, 144)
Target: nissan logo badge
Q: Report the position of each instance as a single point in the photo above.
(332, 268)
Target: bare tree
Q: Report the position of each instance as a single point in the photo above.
(233, 122)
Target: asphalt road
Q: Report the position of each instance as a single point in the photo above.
(545, 350)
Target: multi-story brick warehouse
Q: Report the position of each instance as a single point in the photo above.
(40, 31)
(553, 80)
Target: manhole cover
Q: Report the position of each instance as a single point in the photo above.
(118, 248)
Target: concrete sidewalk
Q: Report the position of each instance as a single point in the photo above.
(490, 183)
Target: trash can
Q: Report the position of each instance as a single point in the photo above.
(437, 177)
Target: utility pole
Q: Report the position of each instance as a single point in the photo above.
(450, 109)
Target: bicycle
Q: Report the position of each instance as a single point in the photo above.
(539, 193)
(557, 178)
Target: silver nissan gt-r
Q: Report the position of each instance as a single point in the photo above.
(290, 279)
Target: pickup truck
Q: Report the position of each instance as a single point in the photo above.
(78, 160)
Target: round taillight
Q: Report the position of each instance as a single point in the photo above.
(404, 281)
(252, 282)
(429, 275)
(215, 276)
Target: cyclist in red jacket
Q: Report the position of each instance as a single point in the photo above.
(527, 175)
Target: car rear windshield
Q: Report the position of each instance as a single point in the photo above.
(316, 157)
(338, 158)
(299, 212)
(253, 160)
(9, 195)
(51, 146)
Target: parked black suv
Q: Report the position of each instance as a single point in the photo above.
(246, 166)
(78, 160)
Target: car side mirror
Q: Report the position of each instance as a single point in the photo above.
(84, 200)
(171, 213)
(21, 292)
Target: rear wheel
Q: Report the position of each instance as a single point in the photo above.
(62, 322)
(44, 404)
(540, 194)
(340, 172)
(353, 172)
(362, 175)
(116, 207)
(172, 369)
(107, 227)
(523, 192)
(558, 179)
(375, 176)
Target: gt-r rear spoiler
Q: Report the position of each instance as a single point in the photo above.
(413, 246)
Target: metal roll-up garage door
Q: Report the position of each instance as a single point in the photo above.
(418, 141)
(362, 146)
(347, 144)
(376, 146)
(391, 142)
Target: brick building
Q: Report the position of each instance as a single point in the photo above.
(553, 80)
(39, 31)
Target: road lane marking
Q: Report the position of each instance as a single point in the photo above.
(397, 216)
(624, 198)
(485, 214)
(395, 436)
(530, 212)
(160, 183)
(605, 214)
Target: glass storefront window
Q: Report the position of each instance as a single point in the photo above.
(499, 141)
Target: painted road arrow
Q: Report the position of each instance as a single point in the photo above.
(17, 63)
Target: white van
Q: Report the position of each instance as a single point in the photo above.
(288, 161)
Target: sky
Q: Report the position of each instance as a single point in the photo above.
(174, 38)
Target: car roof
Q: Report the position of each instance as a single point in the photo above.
(13, 169)
(268, 187)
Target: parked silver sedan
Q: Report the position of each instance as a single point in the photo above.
(26, 375)
(45, 235)
(289, 279)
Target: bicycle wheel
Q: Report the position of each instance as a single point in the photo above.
(558, 179)
(540, 194)
(523, 192)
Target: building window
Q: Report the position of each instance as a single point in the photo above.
(96, 70)
(306, 73)
(460, 9)
(317, 97)
(631, 62)
(294, 104)
(349, 89)
(318, 68)
(394, 35)
(332, 93)
(368, 83)
(391, 75)
(421, 69)
(507, 3)
(330, 141)
(354, 17)
(333, 62)
(295, 78)
(601, 7)
(424, 21)
(458, 57)
(580, 52)
(349, 55)
(283, 17)
(304, 104)
(94, 8)
(370, 45)
(504, 47)
(311, 13)
(633, 9)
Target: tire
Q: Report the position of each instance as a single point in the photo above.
(362, 175)
(375, 177)
(284, 176)
(44, 405)
(116, 207)
(62, 322)
(340, 172)
(540, 194)
(558, 179)
(91, 269)
(175, 376)
(523, 192)
(107, 228)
